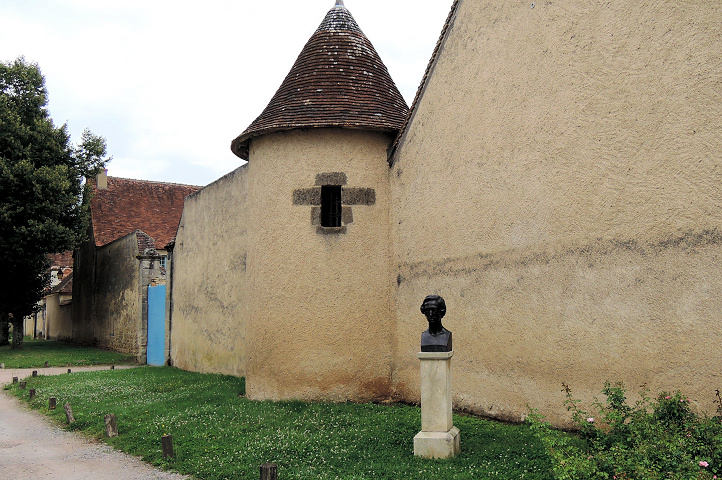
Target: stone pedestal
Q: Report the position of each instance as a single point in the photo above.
(438, 437)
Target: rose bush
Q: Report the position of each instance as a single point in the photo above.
(653, 439)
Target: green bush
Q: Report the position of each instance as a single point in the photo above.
(654, 439)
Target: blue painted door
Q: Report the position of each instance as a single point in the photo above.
(156, 325)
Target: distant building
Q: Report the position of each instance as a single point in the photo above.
(131, 222)
(52, 316)
(58, 309)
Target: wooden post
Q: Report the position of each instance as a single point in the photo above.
(32, 393)
(15, 379)
(111, 428)
(166, 442)
(69, 370)
(69, 413)
(23, 385)
(2, 366)
(269, 471)
(46, 364)
(52, 401)
(112, 367)
(35, 373)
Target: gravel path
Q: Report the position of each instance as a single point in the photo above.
(32, 447)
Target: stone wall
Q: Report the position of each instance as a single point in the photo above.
(559, 185)
(207, 309)
(107, 302)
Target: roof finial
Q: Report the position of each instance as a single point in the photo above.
(340, 2)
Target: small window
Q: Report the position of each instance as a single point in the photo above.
(163, 261)
(331, 205)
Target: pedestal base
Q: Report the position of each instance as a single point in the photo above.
(437, 444)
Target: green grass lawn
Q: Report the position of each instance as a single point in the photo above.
(218, 434)
(59, 354)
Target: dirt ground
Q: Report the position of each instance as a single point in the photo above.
(32, 447)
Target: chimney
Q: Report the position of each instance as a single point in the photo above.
(101, 181)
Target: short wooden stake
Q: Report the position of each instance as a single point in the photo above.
(111, 427)
(112, 367)
(46, 364)
(23, 385)
(166, 442)
(269, 471)
(69, 370)
(35, 373)
(69, 413)
(15, 379)
(52, 401)
(32, 393)
(2, 366)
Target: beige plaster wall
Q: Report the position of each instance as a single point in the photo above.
(319, 321)
(208, 274)
(559, 185)
(58, 317)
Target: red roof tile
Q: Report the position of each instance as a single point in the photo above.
(130, 205)
(338, 80)
(62, 259)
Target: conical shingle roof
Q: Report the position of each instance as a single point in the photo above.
(338, 80)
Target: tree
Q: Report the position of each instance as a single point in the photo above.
(44, 201)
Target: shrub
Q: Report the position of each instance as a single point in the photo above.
(654, 439)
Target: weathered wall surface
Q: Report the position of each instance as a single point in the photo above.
(209, 279)
(319, 321)
(60, 325)
(559, 185)
(107, 308)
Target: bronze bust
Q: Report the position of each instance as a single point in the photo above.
(436, 338)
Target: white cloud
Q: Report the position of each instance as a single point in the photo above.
(170, 84)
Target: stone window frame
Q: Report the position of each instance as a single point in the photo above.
(350, 196)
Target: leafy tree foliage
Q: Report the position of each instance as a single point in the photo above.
(43, 199)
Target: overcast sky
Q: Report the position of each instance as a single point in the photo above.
(169, 84)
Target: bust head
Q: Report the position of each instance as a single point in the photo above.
(436, 338)
(434, 308)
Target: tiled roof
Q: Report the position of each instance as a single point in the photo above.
(338, 80)
(62, 259)
(130, 205)
(425, 79)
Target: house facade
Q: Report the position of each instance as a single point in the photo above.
(131, 223)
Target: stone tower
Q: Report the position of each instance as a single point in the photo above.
(319, 291)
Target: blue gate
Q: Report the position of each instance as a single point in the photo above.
(156, 326)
